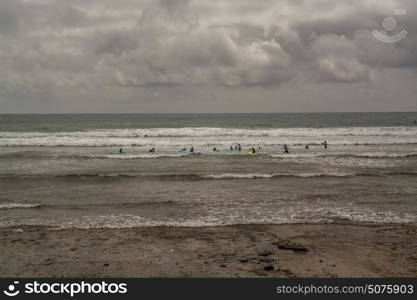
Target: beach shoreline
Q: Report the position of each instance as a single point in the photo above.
(287, 250)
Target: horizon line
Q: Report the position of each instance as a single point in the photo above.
(199, 113)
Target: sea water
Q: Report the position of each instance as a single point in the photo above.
(65, 170)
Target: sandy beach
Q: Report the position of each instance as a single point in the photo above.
(232, 251)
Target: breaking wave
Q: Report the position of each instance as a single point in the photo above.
(19, 205)
(119, 221)
(171, 137)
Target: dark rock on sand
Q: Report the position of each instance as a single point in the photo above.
(266, 260)
(264, 252)
(291, 246)
(269, 268)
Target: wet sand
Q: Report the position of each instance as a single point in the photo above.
(233, 251)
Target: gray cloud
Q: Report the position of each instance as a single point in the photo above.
(65, 52)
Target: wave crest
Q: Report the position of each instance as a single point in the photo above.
(19, 205)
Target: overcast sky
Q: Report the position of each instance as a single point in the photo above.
(88, 56)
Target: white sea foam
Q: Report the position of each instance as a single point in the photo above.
(259, 175)
(206, 136)
(307, 215)
(384, 155)
(18, 205)
(133, 156)
(238, 176)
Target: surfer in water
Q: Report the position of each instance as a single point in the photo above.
(253, 150)
(214, 149)
(152, 150)
(120, 150)
(192, 150)
(285, 149)
(239, 148)
(307, 147)
(324, 144)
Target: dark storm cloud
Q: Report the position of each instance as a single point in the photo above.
(99, 47)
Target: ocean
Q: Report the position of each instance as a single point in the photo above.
(65, 171)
